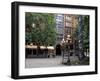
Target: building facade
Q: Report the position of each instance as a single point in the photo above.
(59, 27)
(70, 24)
(65, 25)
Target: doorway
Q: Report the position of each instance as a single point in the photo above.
(58, 49)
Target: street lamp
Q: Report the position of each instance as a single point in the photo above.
(63, 41)
(68, 36)
(69, 46)
(66, 45)
(63, 45)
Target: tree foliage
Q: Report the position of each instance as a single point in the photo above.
(43, 31)
(86, 33)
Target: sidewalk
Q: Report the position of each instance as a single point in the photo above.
(43, 62)
(47, 62)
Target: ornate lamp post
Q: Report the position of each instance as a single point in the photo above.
(63, 45)
(66, 50)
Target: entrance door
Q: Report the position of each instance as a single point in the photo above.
(58, 49)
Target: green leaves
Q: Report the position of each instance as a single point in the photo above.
(86, 33)
(44, 29)
(28, 37)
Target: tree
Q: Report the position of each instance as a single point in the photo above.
(44, 31)
(28, 37)
(86, 33)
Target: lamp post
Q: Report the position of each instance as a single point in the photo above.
(66, 47)
(63, 45)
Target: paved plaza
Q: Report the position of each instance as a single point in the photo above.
(46, 62)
